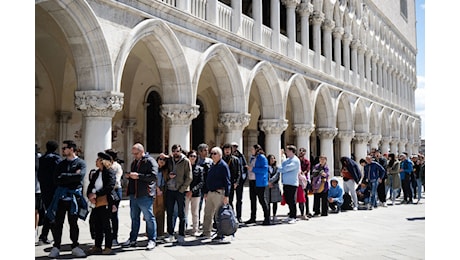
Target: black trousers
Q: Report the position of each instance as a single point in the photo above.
(239, 200)
(102, 226)
(260, 191)
(381, 191)
(173, 197)
(289, 196)
(56, 227)
(406, 188)
(320, 199)
(253, 198)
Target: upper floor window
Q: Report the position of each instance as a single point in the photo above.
(403, 5)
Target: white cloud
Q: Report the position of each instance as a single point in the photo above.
(420, 102)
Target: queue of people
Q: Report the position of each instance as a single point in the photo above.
(175, 186)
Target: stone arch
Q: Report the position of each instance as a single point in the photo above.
(374, 119)
(385, 124)
(344, 113)
(403, 127)
(169, 55)
(361, 117)
(324, 108)
(93, 65)
(265, 77)
(297, 92)
(225, 69)
(395, 125)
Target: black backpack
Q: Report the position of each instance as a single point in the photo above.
(347, 203)
(226, 221)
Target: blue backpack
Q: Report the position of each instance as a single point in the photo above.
(226, 221)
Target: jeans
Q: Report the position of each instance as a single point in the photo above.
(142, 204)
(419, 188)
(175, 197)
(56, 227)
(374, 185)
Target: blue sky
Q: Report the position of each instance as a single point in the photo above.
(420, 92)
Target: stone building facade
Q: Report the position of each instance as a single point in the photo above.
(335, 77)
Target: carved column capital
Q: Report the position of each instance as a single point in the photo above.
(290, 3)
(346, 134)
(273, 126)
(179, 114)
(362, 137)
(328, 25)
(376, 138)
(234, 121)
(303, 129)
(326, 133)
(305, 9)
(338, 32)
(317, 17)
(355, 44)
(347, 38)
(98, 103)
(386, 139)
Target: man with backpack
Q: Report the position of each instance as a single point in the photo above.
(216, 191)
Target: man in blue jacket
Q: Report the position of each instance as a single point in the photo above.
(405, 171)
(373, 173)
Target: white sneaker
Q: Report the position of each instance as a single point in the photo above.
(151, 245)
(78, 252)
(54, 253)
(292, 221)
(169, 239)
(355, 208)
(384, 204)
(180, 240)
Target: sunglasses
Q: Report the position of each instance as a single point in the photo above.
(192, 155)
(213, 153)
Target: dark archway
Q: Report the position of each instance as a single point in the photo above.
(154, 123)
(198, 127)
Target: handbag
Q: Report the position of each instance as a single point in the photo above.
(101, 201)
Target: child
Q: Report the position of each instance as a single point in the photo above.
(364, 193)
(335, 196)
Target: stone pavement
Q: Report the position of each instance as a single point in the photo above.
(393, 232)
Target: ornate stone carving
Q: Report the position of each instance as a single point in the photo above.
(179, 114)
(317, 17)
(303, 129)
(304, 9)
(346, 134)
(234, 121)
(290, 3)
(273, 126)
(98, 103)
(326, 133)
(338, 32)
(362, 137)
(328, 25)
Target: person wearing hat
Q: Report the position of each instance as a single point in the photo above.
(101, 184)
(118, 190)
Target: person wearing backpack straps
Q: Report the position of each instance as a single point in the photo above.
(216, 191)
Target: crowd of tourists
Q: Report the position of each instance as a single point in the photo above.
(179, 193)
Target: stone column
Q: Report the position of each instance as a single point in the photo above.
(303, 132)
(367, 61)
(345, 137)
(374, 73)
(211, 11)
(275, 24)
(236, 16)
(273, 129)
(180, 117)
(327, 27)
(63, 118)
(290, 24)
(402, 145)
(337, 33)
(385, 144)
(257, 16)
(304, 10)
(346, 56)
(317, 20)
(354, 61)
(233, 125)
(374, 141)
(128, 125)
(326, 136)
(184, 6)
(98, 109)
(252, 140)
(360, 141)
(361, 50)
(394, 146)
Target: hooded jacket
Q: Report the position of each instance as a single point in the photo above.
(335, 192)
(352, 168)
